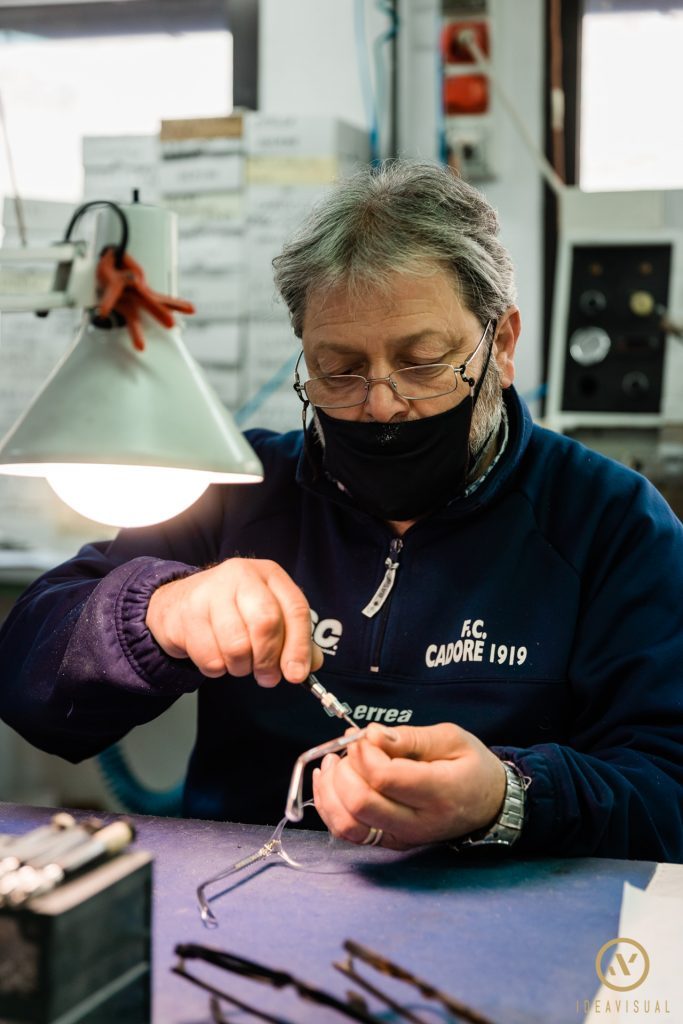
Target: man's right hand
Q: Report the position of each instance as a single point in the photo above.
(244, 615)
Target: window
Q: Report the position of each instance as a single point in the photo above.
(631, 84)
(69, 70)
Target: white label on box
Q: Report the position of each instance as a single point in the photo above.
(46, 221)
(171, 148)
(202, 245)
(226, 382)
(262, 246)
(192, 175)
(280, 135)
(214, 295)
(280, 207)
(110, 150)
(220, 205)
(297, 171)
(264, 303)
(218, 341)
(117, 184)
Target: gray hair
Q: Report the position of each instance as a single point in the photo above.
(403, 216)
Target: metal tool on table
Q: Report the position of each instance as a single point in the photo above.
(75, 924)
(16, 850)
(39, 878)
(41, 859)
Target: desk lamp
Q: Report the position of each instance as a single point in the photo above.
(126, 429)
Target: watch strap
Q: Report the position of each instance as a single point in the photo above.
(507, 828)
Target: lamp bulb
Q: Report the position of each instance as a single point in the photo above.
(127, 496)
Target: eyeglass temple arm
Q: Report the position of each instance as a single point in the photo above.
(294, 809)
(463, 366)
(218, 993)
(262, 853)
(428, 990)
(271, 976)
(347, 969)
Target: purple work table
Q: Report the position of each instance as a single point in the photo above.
(516, 939)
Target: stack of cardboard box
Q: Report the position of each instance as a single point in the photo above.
(202, 179)
(115, 165)
(291, 163)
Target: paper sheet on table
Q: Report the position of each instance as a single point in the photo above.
(653, 918)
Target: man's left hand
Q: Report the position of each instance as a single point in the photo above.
(419, 784)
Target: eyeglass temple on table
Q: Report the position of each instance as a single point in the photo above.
(355, 1008)
(266, 975)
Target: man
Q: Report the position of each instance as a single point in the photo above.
(511, 595)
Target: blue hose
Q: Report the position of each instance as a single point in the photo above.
(130, 792)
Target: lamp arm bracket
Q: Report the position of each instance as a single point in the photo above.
(73, 282)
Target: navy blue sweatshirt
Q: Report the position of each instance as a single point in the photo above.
(543, 612)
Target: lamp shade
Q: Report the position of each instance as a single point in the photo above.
(107, 404)
(136, 436)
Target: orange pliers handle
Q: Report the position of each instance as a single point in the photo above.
(123, 290)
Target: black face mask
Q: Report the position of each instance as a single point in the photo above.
(403, 470)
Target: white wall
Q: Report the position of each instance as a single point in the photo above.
(308, 57)
(308, 64)
(517, 193)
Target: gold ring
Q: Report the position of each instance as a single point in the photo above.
(373, 838)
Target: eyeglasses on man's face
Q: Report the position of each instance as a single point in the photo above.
(414, 383)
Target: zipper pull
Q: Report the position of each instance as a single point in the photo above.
(385, 587)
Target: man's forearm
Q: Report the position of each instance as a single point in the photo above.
(623, 803)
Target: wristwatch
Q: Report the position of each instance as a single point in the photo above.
(507, 827)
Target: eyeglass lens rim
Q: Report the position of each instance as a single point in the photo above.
(458, 370)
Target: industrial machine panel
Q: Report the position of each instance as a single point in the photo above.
(614, 343)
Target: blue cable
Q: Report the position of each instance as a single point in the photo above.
(441, 141)
(131, 793)
(380, 70)
(242, 414)
(365, 79)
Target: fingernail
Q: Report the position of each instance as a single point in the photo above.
(326, 762)
(296, 671)
(268, 678)
(389, 733)
(316, 774)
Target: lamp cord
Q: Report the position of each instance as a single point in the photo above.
(119, 249)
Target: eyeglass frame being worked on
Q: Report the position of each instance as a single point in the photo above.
(460, 370)
(356, 1007)
(294, 812)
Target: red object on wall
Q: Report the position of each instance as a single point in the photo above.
(465, 94)
(453, 51)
